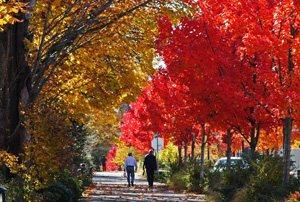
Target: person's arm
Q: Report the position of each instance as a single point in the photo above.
(144, 166)
(125, 162)
(135, 165)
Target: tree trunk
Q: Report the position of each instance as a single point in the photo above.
(185, 148)
(288, 121)
(228, 151)
(208, 152)
(243, 146)
(287, 133)
(179, 155)
(254, 137)
(203, 142)
(2, 129)
(193, 146)
(4, 60)
(14, 74)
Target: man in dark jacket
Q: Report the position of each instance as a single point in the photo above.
(151, 166)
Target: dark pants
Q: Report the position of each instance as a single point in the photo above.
(150, 177)
(130, 174)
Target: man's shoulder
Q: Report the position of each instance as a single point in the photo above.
(149, 156)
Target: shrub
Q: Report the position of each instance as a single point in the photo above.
(266, 182)
(65, 188)
(213, 196)
(14, 189)
(162, 176)
(193, 168)
(227, 182)
(261, 181)
(179, 180)
(168, 156)
(185, 176)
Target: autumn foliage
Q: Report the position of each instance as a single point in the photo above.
(231, 76)
(70, 73)
(226, 76)
(111, 165)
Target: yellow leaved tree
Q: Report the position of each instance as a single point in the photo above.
(8, 12)
(122, 153)
(77, 62)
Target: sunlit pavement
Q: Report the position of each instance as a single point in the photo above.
(112, 186)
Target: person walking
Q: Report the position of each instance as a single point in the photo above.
(103, 163)
(151, 165)
(130, 167)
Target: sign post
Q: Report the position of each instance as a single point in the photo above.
(157, 144)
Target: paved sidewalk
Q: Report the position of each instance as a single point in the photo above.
(112, 186)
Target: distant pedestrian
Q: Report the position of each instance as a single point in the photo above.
(151, 165)
(103, 163)
(130, 166)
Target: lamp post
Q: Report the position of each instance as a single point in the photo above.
(2, 194)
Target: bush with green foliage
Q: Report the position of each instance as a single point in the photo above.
(179, 180)
(227, 182)
(64, 188)
(262, 181)
(186, 176)
(14, 191)
(168, 156)
(162, 176)
(265, 182)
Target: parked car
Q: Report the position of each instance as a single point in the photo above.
(295, 159)
(221, 163)
(295, 156)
